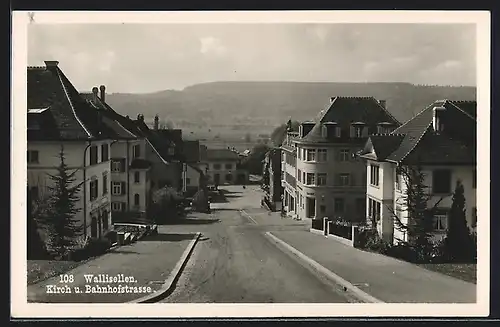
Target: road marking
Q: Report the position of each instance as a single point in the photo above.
(248, 216)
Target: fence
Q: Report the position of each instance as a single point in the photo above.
(343, 231)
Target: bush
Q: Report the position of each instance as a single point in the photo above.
(94, 248)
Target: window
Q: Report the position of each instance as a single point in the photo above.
(229, 177)
(105, 183)
(339, 205)
(104, 152)
(321, 179)
(32, 156)
(299, 152)
(229, 166)
(374, 209)
(116, 166)
(338, 131)
(322, 155)
(344, 179)
(374, 175)
(474, 178)
(105, 219)
(474, 217)
(344, 155)
(440, 221)
(311, 155)
(360, 205)
(117, 188)
(93, 155)
(303, 177)
(217, 166)
(310, 179)
(171, 151)
(116, 206)
(299, 175)
(137, 177)
(322, 209)
(282, 175)
(358, 131)
(136, 199)
(441, 181)
(136, 151)
(94, 189)
(398, 179)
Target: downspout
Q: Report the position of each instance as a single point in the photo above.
(85, 190)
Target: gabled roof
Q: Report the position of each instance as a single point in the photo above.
(418, 142)
(110, 117)
(153, 140)
(220, 154)
(191, 151)
(346, 111)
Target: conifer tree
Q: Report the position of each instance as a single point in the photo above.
(63, 226)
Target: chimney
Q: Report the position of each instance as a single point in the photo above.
(51, 63)
(94, 93)
(382, 103)
(156, 123)
(437, 121)
(103, 93)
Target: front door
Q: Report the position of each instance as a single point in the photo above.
(311, 207)
(93, 227)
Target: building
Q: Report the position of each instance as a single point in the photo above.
(194, 172)
(272, 178)
(288, 174)
(130, 170)
(441, 143)
(329, 179)
(60, 119)
(222, 166)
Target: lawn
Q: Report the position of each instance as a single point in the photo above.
(39, 270)
(465, 272)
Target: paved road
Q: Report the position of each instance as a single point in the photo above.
(234, 262)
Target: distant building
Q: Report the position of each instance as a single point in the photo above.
(441, 140)
(329, 180)
(272, 178)
(222, 166)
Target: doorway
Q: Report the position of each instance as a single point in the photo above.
(311, 207)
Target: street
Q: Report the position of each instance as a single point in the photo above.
(234, 262)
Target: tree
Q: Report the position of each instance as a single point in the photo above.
(63, 228)
(253, 162)
(36, 247)
(200, 201)
(458, 244)
(420, 222)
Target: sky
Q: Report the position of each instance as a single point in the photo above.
(142, 58)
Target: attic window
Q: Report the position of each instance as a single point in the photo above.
(37, 110)
(384, 128)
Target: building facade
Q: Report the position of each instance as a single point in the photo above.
(60, 120)
(223, 167)
(329, 179)
(439, 145)
(272, 178)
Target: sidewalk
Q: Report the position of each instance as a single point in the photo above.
(149, 262)
(384, 278)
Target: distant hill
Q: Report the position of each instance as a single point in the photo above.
(263, 104)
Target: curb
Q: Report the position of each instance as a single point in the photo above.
(169, 284)
(361, 295)
(244, 213)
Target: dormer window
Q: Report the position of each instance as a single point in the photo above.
(384, 128)
(437, 119)
(358, 130)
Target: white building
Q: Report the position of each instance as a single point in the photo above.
(222, 166)
(320, 160)
(441, 140)
(59, 117)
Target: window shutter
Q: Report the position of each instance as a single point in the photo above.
(123, 162)
(351, 131)
(124, 190)
(365, 131)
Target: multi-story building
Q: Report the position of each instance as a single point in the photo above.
(272, 174)
(130, 180)
(222, 166)
(330, 180)
(59, 119)
(440, 145)
(288, 174)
